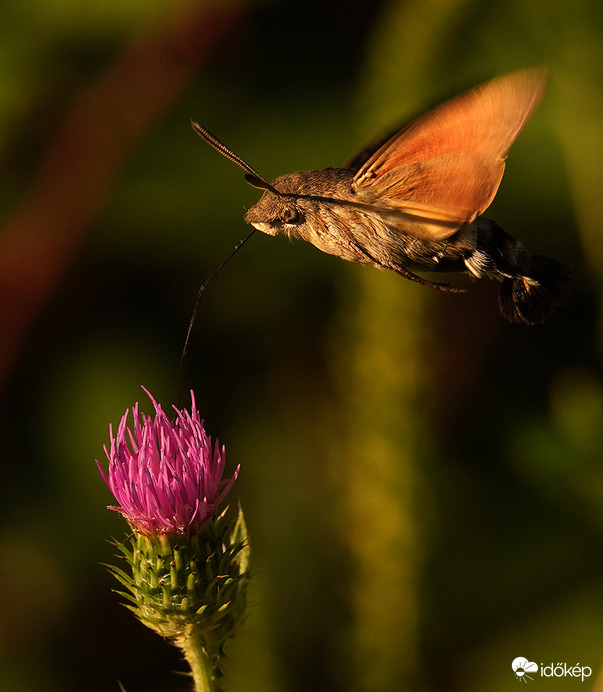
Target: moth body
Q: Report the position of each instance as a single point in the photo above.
(321, 208)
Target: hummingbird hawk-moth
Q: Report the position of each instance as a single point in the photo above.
(414, 200)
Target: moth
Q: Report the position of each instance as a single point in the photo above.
(413, 201)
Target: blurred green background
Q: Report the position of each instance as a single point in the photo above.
(423, 482)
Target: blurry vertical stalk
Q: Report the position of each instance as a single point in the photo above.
(385, 386)
(384, 370)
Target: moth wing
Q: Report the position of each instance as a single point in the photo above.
(445, 168)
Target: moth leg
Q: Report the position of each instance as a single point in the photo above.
(407, 274)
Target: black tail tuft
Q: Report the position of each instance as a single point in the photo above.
(533, 297)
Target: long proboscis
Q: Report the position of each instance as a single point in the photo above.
(200, 293)
(251, 175)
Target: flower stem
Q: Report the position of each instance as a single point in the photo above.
(204, 664)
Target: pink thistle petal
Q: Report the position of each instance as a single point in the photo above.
(166, 475)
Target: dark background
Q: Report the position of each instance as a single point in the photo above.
(422, 481)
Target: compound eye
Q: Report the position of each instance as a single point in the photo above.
(289, 215)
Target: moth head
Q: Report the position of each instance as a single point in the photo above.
(278, 212)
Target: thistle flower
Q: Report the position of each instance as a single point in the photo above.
(165, 474)
(189, 564)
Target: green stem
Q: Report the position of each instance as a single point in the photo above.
(204, 664)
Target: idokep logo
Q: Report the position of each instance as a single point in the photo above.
(521, 667)
(562, 670)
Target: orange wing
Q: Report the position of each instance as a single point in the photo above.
(445, 167)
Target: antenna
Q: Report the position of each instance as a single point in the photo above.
(251, 176)
(200, 292)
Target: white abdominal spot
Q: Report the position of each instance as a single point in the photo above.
(478, 264)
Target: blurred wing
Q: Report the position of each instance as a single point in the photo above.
(445, 167)
(361, 157)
